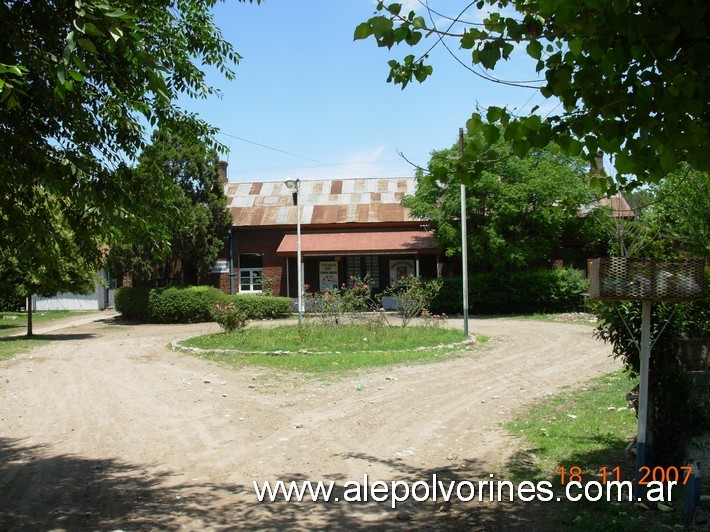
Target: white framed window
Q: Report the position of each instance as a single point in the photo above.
(251, 273)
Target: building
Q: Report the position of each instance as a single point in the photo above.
(350, 228)
(100, 299)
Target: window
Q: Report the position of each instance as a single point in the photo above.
(352, 269)
(372, 270)
(251, 272)
(362, 267)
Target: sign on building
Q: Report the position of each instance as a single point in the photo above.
(328, 275)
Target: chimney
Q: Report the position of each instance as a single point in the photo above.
(222, 171)
(599, 160)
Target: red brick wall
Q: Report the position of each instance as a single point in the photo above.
(265, 242)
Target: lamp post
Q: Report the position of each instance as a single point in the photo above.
(464, 243)
(295, 186)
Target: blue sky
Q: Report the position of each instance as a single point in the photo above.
(308, 102)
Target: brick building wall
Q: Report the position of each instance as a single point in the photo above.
(264, 242)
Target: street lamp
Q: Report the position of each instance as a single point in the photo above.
(295, 186)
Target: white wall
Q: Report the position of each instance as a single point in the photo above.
(94, 301)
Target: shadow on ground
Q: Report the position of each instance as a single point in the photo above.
(49, 337)
(40, 490)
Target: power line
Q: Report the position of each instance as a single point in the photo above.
(292, 154)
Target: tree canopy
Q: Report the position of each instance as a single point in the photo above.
(81, 82)
(631, 75)
(192, 210)
(518, 209)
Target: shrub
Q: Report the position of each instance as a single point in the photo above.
(192, 304)
(168, 305)
(132, 302)
(553, 290)
(329, 307)
(229, 317)
(11, 303)
(412, 296)
(261, 307)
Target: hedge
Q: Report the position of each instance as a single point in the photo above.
(132, 302)
(262, 307)
(553, 290)
(193, 304)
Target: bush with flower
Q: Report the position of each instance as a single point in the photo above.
(229, 317)
(433, 320)
(331, 306)
(412, 295)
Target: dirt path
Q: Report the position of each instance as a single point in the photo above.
(108, 428)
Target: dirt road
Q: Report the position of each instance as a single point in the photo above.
(107, 428)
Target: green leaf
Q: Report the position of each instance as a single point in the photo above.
(116, 13)
(575, 46)
(394, 8)
(87, 45)
(412, 38)
(488, 56)
(491, 133)
(115, 32)
(419, 23)
(668, 160)
(624, 164)
(494, 114)
(363, 31)
(76, 75)
(507, 49)
(71, 43)
(532, 122)
(521, 147)
(534, 49)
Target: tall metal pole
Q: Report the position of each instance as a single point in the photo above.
(464, 245)
(645, 354)
(295, 185)
(299, 271)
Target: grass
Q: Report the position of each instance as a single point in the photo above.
(316, 348)
(588, 427)
(12, 322)
(10, 347)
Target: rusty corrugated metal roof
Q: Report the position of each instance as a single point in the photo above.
(337, 201)
(618, 204)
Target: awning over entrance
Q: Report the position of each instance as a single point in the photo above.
(348, 242)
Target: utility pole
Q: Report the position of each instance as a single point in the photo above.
(464, 242)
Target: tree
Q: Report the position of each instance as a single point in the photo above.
(631, 76)
(193, 212)
(671, 219)
(50, 262)
(80, 82)
(683, 210)
(517, 209)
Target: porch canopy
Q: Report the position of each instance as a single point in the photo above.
(360, 242)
